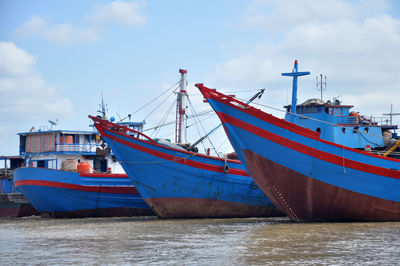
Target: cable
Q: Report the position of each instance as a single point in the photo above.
(149, 102)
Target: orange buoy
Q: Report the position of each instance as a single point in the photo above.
(83, 168)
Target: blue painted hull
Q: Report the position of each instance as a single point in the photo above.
(71, 194)
(310, 179)
(182, 184)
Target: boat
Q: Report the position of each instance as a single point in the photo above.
(312, 164)
(12, 204)
(74, 174)
(177, 181)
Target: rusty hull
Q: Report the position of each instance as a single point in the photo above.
(303, 198)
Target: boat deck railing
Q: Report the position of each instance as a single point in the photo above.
(76, 147)
(5, 173)
(362, 120)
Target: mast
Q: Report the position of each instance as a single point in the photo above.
(295, 73)
(180, 108)
(320, 85)
(391, 114)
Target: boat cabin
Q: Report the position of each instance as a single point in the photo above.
(67, 150)
(337, 123)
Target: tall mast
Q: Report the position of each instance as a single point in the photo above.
(391, 114)
(320, 85)
(180, 107)
(295, 73)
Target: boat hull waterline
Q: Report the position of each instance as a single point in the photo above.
(308, 178)
(58, 193)
(182, 184)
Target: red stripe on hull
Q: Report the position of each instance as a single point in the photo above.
(105, 212)
(104, 175)
(328, 157)
(170, 157)
(207, 208)
(303, 198)
(103, 189)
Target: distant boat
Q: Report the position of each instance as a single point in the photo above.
(320, 164)
(12, 204)
(181, 183)
(68, 174)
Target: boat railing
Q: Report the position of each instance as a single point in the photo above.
(348, 120)
(121, 129)
(5, 173)
(362, 120)
(67, 147)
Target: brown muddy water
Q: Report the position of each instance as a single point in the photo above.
(148, 240)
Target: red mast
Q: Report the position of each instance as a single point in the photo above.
(180, 107)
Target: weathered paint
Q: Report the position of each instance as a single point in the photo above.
(309, 178)
(303, 198)
(181, 184)
(69, 194)
(210, 208)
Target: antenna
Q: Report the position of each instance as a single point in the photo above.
(52, 123)
(320, 84)
(103, 107)
(391, 114)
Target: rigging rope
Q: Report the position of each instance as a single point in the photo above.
(157, 129)
(173, 86)
(212, 145)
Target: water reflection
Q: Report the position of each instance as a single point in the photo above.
(149, 240)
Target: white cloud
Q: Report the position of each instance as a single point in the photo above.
(116, 12)
(62, 34)
(25, 98)
(33, 26)
(119, 12)
(279, 15)
(358, 53)
(69, 34)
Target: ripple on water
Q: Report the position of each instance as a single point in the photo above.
(144, 240)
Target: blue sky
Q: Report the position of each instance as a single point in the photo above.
(57, 57)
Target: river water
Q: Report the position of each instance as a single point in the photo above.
(148, 240)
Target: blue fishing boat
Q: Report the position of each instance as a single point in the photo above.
(73, 174)
(321, 163)
(177, 181)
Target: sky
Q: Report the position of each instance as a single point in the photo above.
(57, 58)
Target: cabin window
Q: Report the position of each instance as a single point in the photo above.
(41, 163)
(355, 129)
(366, 130)
(344, 130)
(318, 130)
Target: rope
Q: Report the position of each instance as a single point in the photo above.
(157, 129)
(173, 122)
(216, 152)
(149, 102)
(158, 162)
